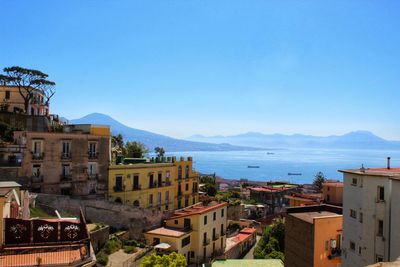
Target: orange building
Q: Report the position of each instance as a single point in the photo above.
(313, 236)
(299, 200)
(333, 193)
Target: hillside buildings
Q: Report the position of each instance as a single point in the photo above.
(12, 101)
(313, 236)
(197, 232)
(273, 196)
(164, 183)
(371, 215)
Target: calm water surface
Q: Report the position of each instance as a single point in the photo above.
(234, 164)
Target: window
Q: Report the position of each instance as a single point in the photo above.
(328, 188)
(352, 245)
(65, 170)
(37, 147)
(166, 198)
(187, 171)
(151, 200)
(159, 179)
(92, 169)
(222, 212)
(65, 149)
(381, 193)
(136, 185)
(359, 250)
(118, 184)
(179, 172)
(353, 214)
(192, 254)
(151, 180)
(7, 95)
(36, 170)
(214, 216)
(205, 220)
(159, 198)
(380, 228)
(194, 200)
(186, 201)
(186, 241)
(354, 181)
(327, 245)
(328, 197)
(378, 258)
(92, 150)
(187, 187)
(222, 229)
(176, 221)
(361, 217)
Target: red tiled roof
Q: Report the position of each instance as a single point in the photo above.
(383, 170)
(61, 256)
(197, 209)
(269, 189)
(248, 230)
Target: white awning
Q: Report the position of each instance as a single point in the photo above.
(163, 246)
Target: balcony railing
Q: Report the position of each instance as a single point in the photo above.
(167, 183)
(93, 155)
(65, 156)
(179, 193)
(65, 177)
(37, 179)
(215, 237)
(153, 185)
(93, 176)
(223, 232)
(118, 189)
(206, 241)
(137, 187)
(37, 156)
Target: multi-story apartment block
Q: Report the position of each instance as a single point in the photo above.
(164, 183)
(273, 196)
(333, 193)
(72, 161)
(313, 236)
(197, 232)
(12, 101)
(371, 215)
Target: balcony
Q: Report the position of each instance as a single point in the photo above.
(93, 155)
(65, 177)
(335, 252)
(223, 233)
(206, 241)
(137, 187)
(179, 193)
(118, 189)
(153, 185)
(37, 179)
(37, 156)
(167, 183)
(65, 156)
(93, 176)
(215, 237)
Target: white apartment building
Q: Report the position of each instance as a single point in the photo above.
(371, 215)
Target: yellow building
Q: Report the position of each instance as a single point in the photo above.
(163, 183)
(197, 232)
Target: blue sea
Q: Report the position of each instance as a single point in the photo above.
(276, 166)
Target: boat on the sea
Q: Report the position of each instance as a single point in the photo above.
(270, 153)
(252, 166)
(294, 173)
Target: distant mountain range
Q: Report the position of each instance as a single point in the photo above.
(352, 140)
(152, 140)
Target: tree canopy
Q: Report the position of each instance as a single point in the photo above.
(136, 149)
(27, 81)
(319, 179)
(160, 151)
(272, 242)
(172, 260)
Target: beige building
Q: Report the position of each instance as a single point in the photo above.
(73, 161)
(371, 215)
(197, 232)
(12, 101)
(164, 184)
(333, 193)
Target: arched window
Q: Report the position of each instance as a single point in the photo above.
(187, 171)
(136, 203)
(180, 172)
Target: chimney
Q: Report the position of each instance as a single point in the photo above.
(388, 163)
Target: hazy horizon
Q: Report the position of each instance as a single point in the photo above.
(181, 68)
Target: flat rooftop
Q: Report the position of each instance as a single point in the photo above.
(197, 209)
(392, 172)
(310, 216)
(167, 232)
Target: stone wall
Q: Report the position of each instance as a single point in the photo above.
(136, 220)
(99, 237)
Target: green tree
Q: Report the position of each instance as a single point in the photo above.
(272, 242)
(159, 151)
(172, 260)
(210, 189)
(117, 144)
(28, 81)
(319, 179)
(135, 150)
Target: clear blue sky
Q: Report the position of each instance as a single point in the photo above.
(215, 67)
